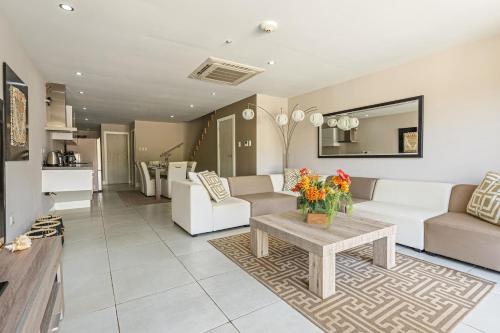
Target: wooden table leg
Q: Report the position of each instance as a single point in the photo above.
(384, 252)
(157, 184)
(259, 242)
(322, 275)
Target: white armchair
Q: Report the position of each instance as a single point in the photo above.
(148, 187)
(195, 212)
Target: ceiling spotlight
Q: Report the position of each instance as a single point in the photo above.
(84, 108)
(191, 106)
(86, 119)
(213, 93)
(66, 7)
(81, 93)
(171, 116)
(79, 73)
(268, 26)
(228, 41)
(271, 62)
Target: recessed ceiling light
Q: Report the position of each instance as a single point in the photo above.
(271, 62)
(66, 7)
(79, 73)
(171, 116)
(81, 93)
(191, 106)
(84, 108)
(213, 94)
(228, 41)
(86, 119)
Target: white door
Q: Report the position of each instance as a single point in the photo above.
(226, 148)
(117, 159)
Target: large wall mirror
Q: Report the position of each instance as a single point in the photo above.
(392, 129)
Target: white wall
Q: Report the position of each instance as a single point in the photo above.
(24, 199)
(461, 116)
(269, 142)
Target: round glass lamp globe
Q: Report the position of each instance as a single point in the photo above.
(316, 119)
(353, 122)
(248, 114)
(298, 115)
(332, 122)
(344, 123)
(281, 119)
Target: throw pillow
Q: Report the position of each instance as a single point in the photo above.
(485, 201)
(292, 176)
(214, 185)
(193, 176)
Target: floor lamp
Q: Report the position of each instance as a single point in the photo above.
(286, 123)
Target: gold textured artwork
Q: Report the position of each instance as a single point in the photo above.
(17, 117)
(410, 141)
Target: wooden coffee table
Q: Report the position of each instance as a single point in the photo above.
(323, 242)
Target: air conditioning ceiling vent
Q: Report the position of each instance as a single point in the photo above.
(224, 71)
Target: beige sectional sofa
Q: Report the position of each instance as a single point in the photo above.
(259, 192)
(461, 236)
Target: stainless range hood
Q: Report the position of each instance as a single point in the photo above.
(59, 115)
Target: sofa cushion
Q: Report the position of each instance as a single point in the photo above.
(244, 185)
(426, 195)
(409, 219)
(485, 201)
(292, 193)
(291, 177)
(230, 213)
(362, 187)
(270, 203)
(460, 196)
(213, 185)
(464, 237)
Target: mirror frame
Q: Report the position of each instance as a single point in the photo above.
(420, 130)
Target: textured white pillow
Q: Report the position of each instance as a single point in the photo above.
(214, 186)
(193, 176)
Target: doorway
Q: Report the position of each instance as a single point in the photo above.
(116, 158)
(226, 147)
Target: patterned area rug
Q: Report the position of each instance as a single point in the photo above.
(415, 296)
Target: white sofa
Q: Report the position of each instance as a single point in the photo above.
(195, 212)
(407, 204)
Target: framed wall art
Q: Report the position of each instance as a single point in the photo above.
(15, 93)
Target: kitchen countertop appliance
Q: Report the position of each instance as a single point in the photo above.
(54, 158)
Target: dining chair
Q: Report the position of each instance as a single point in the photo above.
(176, 171)
(191, 165)
(141, 176)
(149, 183)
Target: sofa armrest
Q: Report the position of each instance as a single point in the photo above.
(191, 207)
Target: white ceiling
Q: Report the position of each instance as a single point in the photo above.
(136, 54)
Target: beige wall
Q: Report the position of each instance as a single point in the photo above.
(269, 142)
(24, 199)
(246, 157)
(153, 138)
(461, 115)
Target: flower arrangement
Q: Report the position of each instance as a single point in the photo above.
(322, 197)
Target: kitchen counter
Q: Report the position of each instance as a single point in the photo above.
(77, 167)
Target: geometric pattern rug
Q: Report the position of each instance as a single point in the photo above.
(415, 296)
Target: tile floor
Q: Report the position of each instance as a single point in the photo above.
(130, 269)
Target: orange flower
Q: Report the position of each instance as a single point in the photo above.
(312, 194)
(322, 194)
(304, 171)
(344, 187)
(337, 180)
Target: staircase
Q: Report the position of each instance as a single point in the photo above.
(198, 143)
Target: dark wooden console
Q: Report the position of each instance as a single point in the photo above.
(33, 299)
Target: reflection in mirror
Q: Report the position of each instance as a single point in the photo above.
(392, 129)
